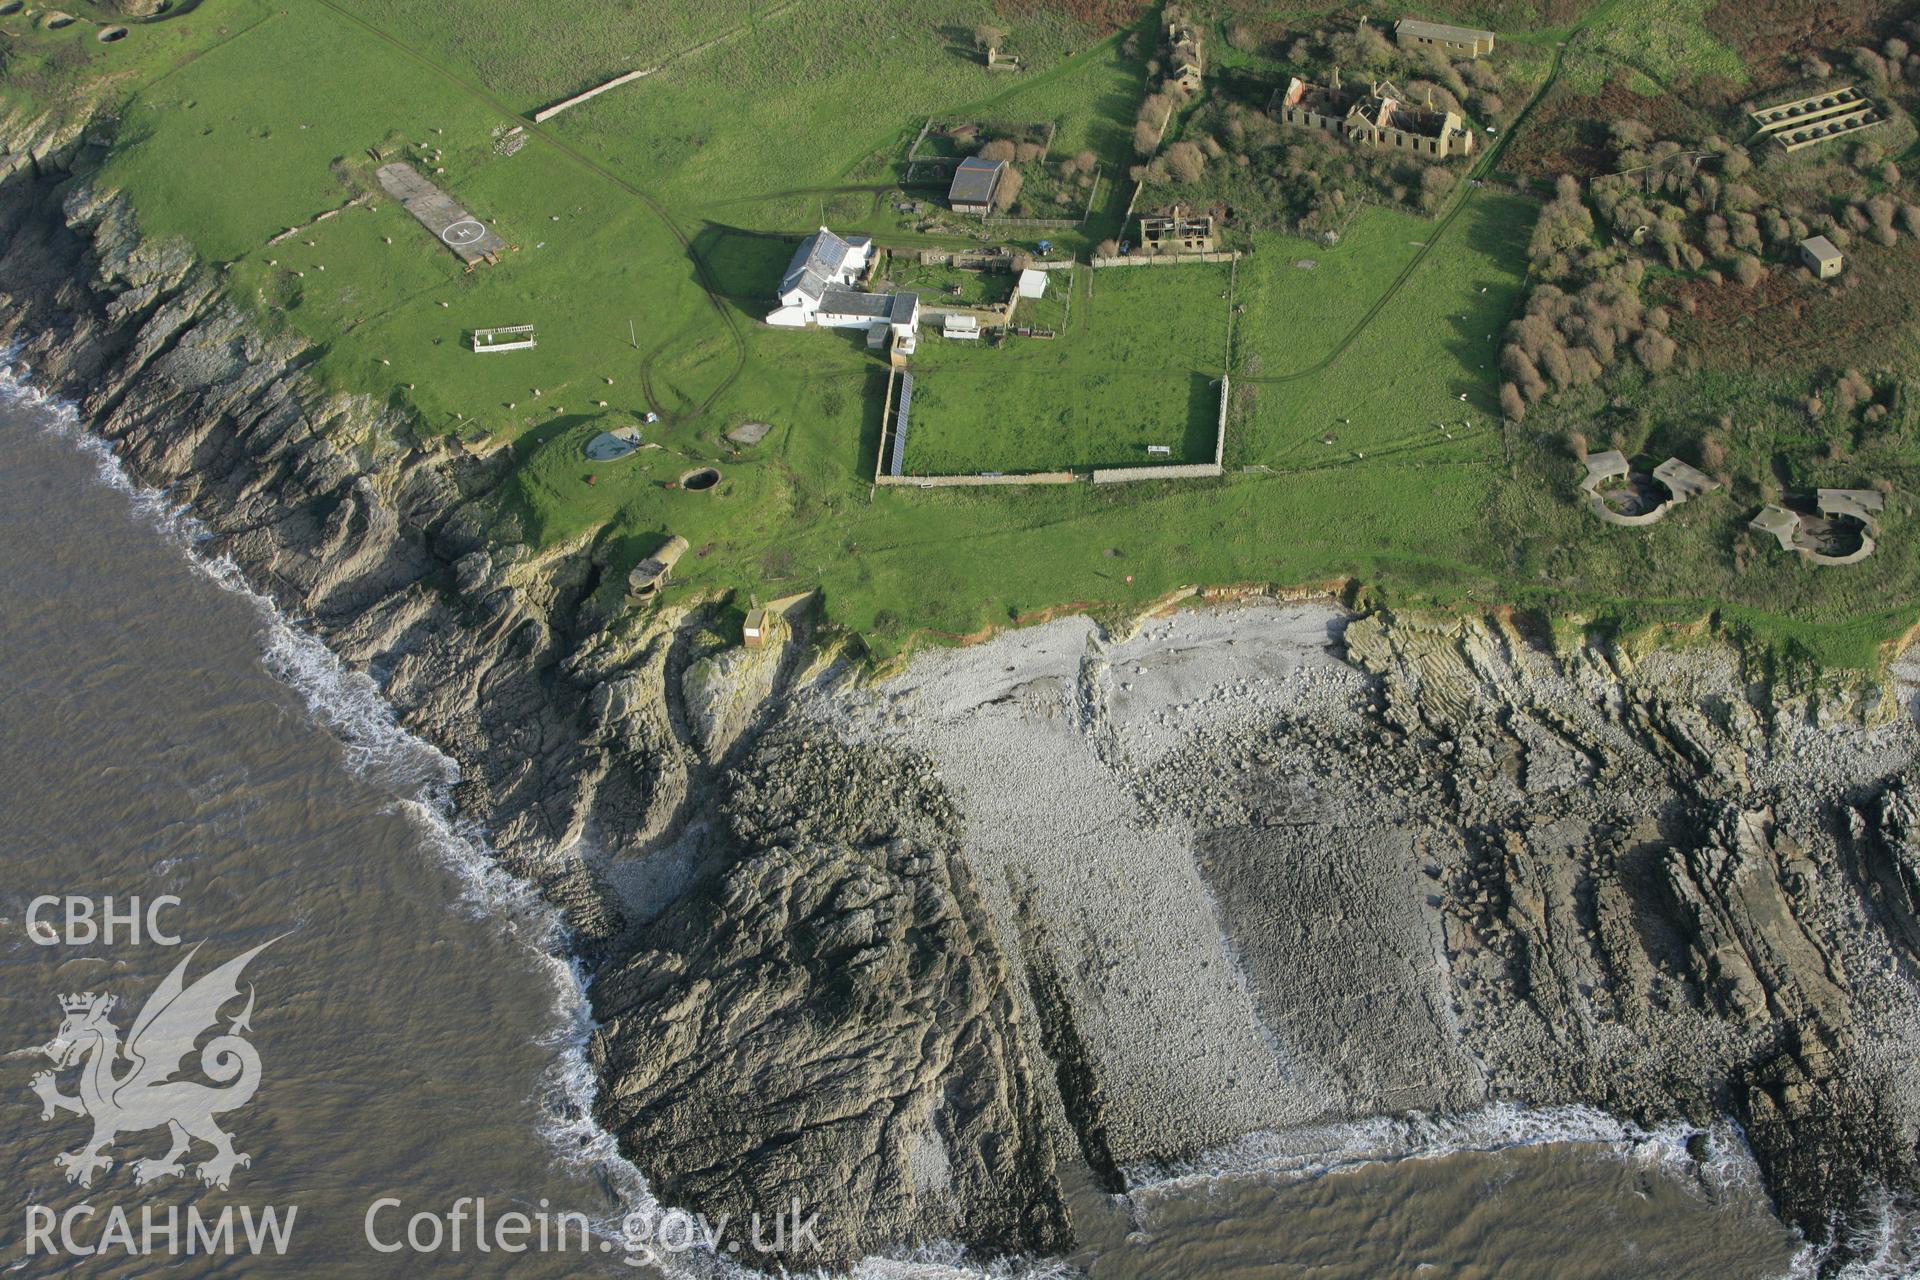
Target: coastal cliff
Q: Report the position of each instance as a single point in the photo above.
(1069, 896)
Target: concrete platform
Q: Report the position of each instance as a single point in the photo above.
(470, 239)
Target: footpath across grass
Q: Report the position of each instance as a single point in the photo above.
(1363, 440)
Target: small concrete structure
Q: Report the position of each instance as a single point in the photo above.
(652, 573)
(1821, 117)
(1822, 257)
(1846, 516)
(470, 239)
(1603, 466)
(1032, 284)
(975, 183)
(964, 328)
(1684, 481)
(1680, 481)
(1779, 524)
(1455, 42)
(611, 446)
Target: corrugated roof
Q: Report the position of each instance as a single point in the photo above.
(974, 181)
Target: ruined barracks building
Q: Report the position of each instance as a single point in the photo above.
(1377, 117)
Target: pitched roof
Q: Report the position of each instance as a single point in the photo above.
(819, 258)
(1441, 31)
(974, 180)
(852, 302)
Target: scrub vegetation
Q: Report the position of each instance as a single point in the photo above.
(1410, 395)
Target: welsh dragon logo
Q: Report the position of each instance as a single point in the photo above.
(145, 1095)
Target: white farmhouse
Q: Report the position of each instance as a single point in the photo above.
(823, 261)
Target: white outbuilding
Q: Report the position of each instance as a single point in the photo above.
(823, 262)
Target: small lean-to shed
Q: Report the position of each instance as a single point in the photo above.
(756, 629)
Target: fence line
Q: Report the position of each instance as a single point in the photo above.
(547, 113)
(964, 482)
(1187, 471)
(1165, 259)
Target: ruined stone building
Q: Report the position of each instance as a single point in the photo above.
(1187, 65)
(1376, 117)
(1178, 230)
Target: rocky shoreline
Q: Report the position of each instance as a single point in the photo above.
(914, 950)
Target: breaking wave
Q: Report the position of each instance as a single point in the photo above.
(420, 778)
(350, 706)
(1885, 1245)
(1716, 1157)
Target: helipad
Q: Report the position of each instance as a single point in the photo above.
(459, 230)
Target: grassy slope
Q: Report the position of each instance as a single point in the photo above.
(214, 148)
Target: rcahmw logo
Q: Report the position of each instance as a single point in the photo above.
(133, 1087)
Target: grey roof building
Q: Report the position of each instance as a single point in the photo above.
(852, 302)
(822, 260)
(974, 184)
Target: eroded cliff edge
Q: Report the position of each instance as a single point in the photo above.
(901, 950)
(588, 731)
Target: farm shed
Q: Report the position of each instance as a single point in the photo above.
(1032, 284)
(975, 183)
(961, 327)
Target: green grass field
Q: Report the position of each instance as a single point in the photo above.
(1137, 364)
(649, 227)
(1397, 389)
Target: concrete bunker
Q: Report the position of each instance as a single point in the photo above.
(652, 573)
(108, 35)
(1840, 531)
(1621, 496)
(700, 478)
(55, 20)
(10, 7)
